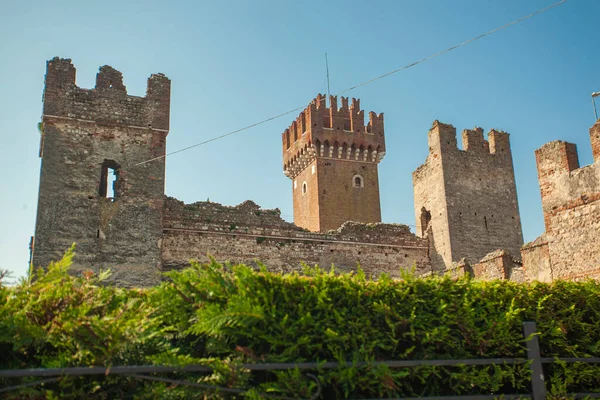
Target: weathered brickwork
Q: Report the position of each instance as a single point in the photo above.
(571, 206)
(86, 133)
(247, 234)
(466, 200)
(331, 157)
(536, 260)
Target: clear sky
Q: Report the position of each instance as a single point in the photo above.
(233, 63)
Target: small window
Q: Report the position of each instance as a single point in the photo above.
(109, 180)
(304, 188)
(295, 184)
(425, 220)
(357, 181)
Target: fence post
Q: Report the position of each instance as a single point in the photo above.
(538, 387)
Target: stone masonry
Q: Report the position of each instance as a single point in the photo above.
(466, 200)
(570, 246)
(98, 190)
(86, 134)
(248, 234)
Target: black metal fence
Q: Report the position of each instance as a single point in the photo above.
(538, 387)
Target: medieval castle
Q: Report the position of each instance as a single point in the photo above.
(97, 190)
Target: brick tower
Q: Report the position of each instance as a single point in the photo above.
(466, 200)
(571, 205)
(92, 189)
(331, 158)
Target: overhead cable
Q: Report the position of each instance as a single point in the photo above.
(365, 82)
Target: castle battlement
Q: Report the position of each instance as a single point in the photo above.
(332, 132)
(563, 183)
(108, 102)
(442, 141)
(571, 206)
(466, 200)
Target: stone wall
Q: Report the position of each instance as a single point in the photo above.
(501, 265)
(571, 206)
(86, 133)
(468, 196)
(536, 260)
(247, 234)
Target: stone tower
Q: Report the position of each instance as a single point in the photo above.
(466, 200)
(571, 205)
(331, 158)
(93, 191)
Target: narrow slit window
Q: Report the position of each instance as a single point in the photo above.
(425, 221)
(109, 180)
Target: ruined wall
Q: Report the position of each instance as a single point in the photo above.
(571, 206)
(470, 194)
(246, 233)
(324, 151)
(85, 133)
(536, 260)
(501, 265)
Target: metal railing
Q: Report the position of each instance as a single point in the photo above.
(538, 387)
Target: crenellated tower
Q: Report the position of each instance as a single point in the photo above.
(94, 188)
(466, 200)
(571, 206)
(331, 156)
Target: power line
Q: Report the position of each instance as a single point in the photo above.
(365, 82)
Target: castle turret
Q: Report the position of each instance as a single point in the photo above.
(331, 157)
(571, 206)
(466, 200)
(93, 189)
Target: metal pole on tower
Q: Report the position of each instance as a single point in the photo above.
(327, 68)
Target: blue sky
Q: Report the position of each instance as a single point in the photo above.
(234, 63)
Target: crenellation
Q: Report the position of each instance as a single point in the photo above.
(499, 143)
(554, 159)
(375, 125)
(571, 206)
(322, 163)
(473, 141)
(441, 137)
(466, 200)
(91, 190)
(95, 190)
(109, 78)
(341, 128)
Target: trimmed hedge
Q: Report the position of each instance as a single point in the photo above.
(227, 315)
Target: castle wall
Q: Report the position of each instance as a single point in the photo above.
(86, 131)
(470, 194)
(536, 260)
(571, 205)
(246, 233)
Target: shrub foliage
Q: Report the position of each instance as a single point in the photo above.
(224, 316)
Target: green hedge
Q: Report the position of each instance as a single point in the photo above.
(223, 316)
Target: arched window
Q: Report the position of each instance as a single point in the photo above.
(357, 181)
(109, 180)
(304, 188)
